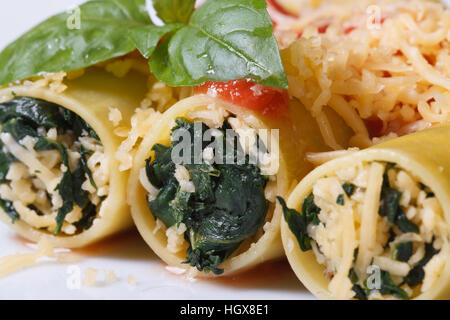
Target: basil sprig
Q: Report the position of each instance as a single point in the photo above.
(222, 40)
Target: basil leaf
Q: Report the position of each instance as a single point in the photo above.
(221, 34)
(52, 46)
(174, 10)
(147, 38)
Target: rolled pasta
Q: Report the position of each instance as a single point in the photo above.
(217, 218)
(59, 175)
(375, 224)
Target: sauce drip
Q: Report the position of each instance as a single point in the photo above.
(266, 100)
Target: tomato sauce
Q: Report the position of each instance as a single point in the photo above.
(259, 98)
(279, 8)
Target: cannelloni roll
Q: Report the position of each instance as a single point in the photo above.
(215, 217)
(59, 177)
(375, 224)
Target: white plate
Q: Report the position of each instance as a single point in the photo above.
(127, 254)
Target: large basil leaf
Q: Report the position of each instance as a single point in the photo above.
(224, 40)
(174, 10)
(52, 46)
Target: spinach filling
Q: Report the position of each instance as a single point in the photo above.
(390, 209)
(22, 117)
(227, 206)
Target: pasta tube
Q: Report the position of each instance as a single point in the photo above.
(375, 224)
(215, 217)
(59, 176)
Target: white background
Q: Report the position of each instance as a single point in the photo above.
(126, 254)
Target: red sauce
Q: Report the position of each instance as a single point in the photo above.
(323, 29)
(349, 29)
(375, 126)
(279, 8)
(262, 99)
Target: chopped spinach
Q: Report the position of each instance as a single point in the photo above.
(404, 224)
(35, 209)
(349, 188)
(389, 204)
(36, 112)
(391, 238)
(310, 210)
(8, 208)
(402, 251)
(227, 206)
(89, 213)
(388, 286)
(340, 200)
(360, 293)
(353, 276)
(78, 125)
(298, 224)
(429, 193)
(416, 274)
(390, 208)
(21, 117)
(5, 160)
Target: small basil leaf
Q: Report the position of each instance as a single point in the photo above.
(171, 11)
(52, 46)
(221, 34)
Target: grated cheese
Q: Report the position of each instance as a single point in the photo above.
(12, 263)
